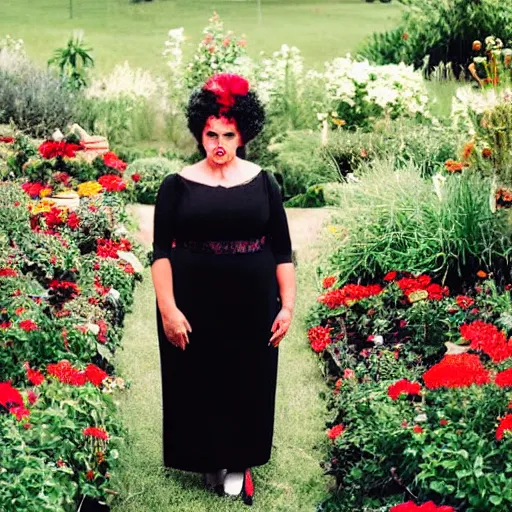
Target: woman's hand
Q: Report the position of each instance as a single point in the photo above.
(280, 326)
(175, 327)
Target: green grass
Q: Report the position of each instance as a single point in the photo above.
(119, 30)
(291, 482)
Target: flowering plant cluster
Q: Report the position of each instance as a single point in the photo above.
(66, 280)
(357, 93)
(418, 374)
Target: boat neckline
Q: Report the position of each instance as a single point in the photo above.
(222, 186)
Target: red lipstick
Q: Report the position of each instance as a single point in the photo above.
(220, 152)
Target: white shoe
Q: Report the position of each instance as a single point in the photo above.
(233, 483)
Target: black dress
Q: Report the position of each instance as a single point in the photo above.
(224, 245)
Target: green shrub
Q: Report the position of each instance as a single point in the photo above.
(301, 162)
(395, 221)
(36, 100)
(152, 171)
(440, 31)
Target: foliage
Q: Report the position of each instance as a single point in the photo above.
(395, 221)
(73, 61)
(151, 172)
(432, 32)
(35, 100)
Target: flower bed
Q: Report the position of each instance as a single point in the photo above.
(420, 401)
(66, 281)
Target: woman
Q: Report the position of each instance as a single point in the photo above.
(225, 287)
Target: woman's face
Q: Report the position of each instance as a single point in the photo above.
(221, 139)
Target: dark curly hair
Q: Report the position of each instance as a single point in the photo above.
(246, 110)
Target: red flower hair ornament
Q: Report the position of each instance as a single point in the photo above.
(225, 86)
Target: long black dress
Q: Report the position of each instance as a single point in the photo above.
(219, 394)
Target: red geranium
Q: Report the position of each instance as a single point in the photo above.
(430, 506)
(7, 140)
(505, 424)
(73, 220)
(136, 177)
(34, 189)
(504, 379)
(335, 431)
(32, 397)
(20, 412)
(66, 374)
(403, 387)
(464, 302)
(417, 429)
(411, 285)
(390, 276)
(349, 294)
(487, 338)
(9, 396)
(52, 149)
(96, 432)
(111, 160)
(112, 183)
(8, 272)
(35, 377)
(28, 325)
(328, 281)
(95, 375)
(319, 337)
(456, 371)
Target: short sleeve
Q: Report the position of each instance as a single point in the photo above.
(278, 230)
(163, 225)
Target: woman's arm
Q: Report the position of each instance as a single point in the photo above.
(287, 289)
(161, 273)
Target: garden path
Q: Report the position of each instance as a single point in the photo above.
(293, 480)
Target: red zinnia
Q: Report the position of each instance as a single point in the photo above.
(348, 295)
(97, 432)
(403, 387)
(335, 431)
(28, 325)
(456, 371)
(319, 337)
(111, 160)
(487, 338)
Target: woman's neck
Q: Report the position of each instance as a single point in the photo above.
(221, 171)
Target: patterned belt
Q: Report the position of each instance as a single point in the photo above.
(223, 246)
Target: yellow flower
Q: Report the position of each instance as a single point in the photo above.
(89, 189)
(45, 192)
(42, 206)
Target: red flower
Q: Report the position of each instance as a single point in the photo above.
(52, 149)
(136, 177)
(28, 325)
(112, 183)
(348, 295)
(328, 281)
(319, 337)
(5, 325)
(349, 374)
(20, 412)
(129, 269)
(335, 431)
(7, 140)
(410, 506)
(456, 371)
(464, 302)
(32, 397)
(9, 396)
(90, 475)
(95, 375)
(417, 429)
(8, 272)
(443, 422)
(505, 424)
(111, 160)
(487, 338)
(437, 292)
(504, 378)
(96, 432)
(403, 387)
(62, 177)
(390, 276)
(66, 374)
(73, 220)
(35, 377)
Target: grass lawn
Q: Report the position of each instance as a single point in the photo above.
(119, 30)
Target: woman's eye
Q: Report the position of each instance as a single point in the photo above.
(229, 135)
(211, 134)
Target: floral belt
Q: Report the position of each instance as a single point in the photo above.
(222, 246)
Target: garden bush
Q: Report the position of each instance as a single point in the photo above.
(36, 100)
(432, 32)
(150, 174)
(395, 221)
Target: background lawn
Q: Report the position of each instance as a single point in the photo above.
(119, 30)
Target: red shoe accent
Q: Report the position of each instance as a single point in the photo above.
(248, 491)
